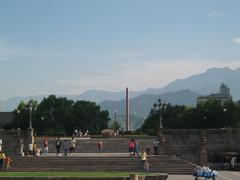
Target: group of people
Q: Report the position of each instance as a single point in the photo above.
(80, 133)
(5, 160)
(204, 171)
(68, 146)
(133, 147)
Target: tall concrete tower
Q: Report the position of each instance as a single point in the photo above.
(127, 110)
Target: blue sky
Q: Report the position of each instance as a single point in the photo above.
(70, 46)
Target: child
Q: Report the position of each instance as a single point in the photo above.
(8, 161)
(146, 166)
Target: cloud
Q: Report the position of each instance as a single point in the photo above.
(215, 14)
(10, 52)
(141, 75)
(236, 40)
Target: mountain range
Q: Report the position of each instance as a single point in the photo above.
(180, 91)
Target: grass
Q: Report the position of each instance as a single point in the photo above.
(69, 174)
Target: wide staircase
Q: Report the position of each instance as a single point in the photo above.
(163, 163)
(110, 145)
(116, 158)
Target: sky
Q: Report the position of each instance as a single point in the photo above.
(71, 46)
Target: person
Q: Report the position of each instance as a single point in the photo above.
(80, 133)
(143, 157)
(0, 144)
(155, 147)
(72, 148)
(100, 146)
(148, 151)
(34, 148)
(58, 145)
(136, 147)
(146, 166)
(233, 160)
(37, 151)
(131, 147)
(65, 147)
(45, 146)
(30, 149)
(8, 161)
(122, 132)
(2, 157)
(75, 133)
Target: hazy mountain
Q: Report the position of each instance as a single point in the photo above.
(209, 82)
(100, 95)
(93, 95)
(141, 105)
(204, 84)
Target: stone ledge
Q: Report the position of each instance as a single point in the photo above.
(137, 177)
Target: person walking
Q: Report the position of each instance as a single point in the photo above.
(45, 146)
(2, 157)
(65, 147)
(136, 148)
(155, 146)
(72, 148)
(0, 144)
(143, 157)
(8, 161)
(100, 146)
(58, 145)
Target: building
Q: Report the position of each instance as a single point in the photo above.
(223, 95)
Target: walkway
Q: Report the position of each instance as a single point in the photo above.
(222, 175)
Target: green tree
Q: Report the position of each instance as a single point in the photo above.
(211, 114)
(60, 116)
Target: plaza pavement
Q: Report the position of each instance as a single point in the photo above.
(222, 175)
(89, 154)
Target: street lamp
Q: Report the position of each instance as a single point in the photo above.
(115, 115)
(225, 117)
(160, 106)
(30, 110)
(18, 112)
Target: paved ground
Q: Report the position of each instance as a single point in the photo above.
(222, 175)
(89, 154)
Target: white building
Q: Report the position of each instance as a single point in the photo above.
(223, 95)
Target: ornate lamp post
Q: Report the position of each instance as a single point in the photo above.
(160, 106)
(30, 110)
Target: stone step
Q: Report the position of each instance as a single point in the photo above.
(165, 164)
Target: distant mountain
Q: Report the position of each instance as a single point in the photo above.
(93, 95)
(209, 82)
(204, 84)
(100, 95)
(141, 105)
(12, 103)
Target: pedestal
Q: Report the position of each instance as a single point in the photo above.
(203, 159)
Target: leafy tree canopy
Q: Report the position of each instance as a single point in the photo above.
(211, 114)
(60, 116)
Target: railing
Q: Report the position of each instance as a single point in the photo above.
(228, 131)
(13, 133)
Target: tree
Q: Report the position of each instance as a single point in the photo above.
(115, 126)
(60, 116)
(211, 114)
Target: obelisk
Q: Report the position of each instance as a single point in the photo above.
(127, 110)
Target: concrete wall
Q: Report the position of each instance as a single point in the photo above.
(11, 140)
(187, 142)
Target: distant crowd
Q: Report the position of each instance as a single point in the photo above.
(67, 147)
